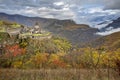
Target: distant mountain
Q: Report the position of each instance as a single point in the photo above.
(77, 33)
(103, 25)
(109, 27)
(24, 20)
(115, 24)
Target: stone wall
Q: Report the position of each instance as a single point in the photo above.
(13, 31)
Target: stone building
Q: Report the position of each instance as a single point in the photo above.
(35, 32)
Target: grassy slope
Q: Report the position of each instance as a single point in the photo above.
(76, 26)
(58, 74)
(6, 24)
(111, 42)
(42, 35)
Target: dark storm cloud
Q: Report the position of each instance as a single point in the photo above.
(108, 4)
(112, 4)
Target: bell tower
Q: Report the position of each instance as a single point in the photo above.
(37, 27)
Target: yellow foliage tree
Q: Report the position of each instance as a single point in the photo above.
(40, 60)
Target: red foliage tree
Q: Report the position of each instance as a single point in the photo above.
(59, 63)
(14, 50)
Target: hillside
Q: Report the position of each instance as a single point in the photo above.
(76, 33)
(24, 20)
(6, 24)
(110, 42)
(7, 30)
(79, 34)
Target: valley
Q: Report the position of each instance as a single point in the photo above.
(46, 46)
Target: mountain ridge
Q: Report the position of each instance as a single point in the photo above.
(75, 33)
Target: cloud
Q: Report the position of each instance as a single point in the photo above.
(100, 26)
(82, 11)
(58, 3)
(112, 4)
(95, 15)
(108, 32)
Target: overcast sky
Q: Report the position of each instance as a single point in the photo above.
(81, 11)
